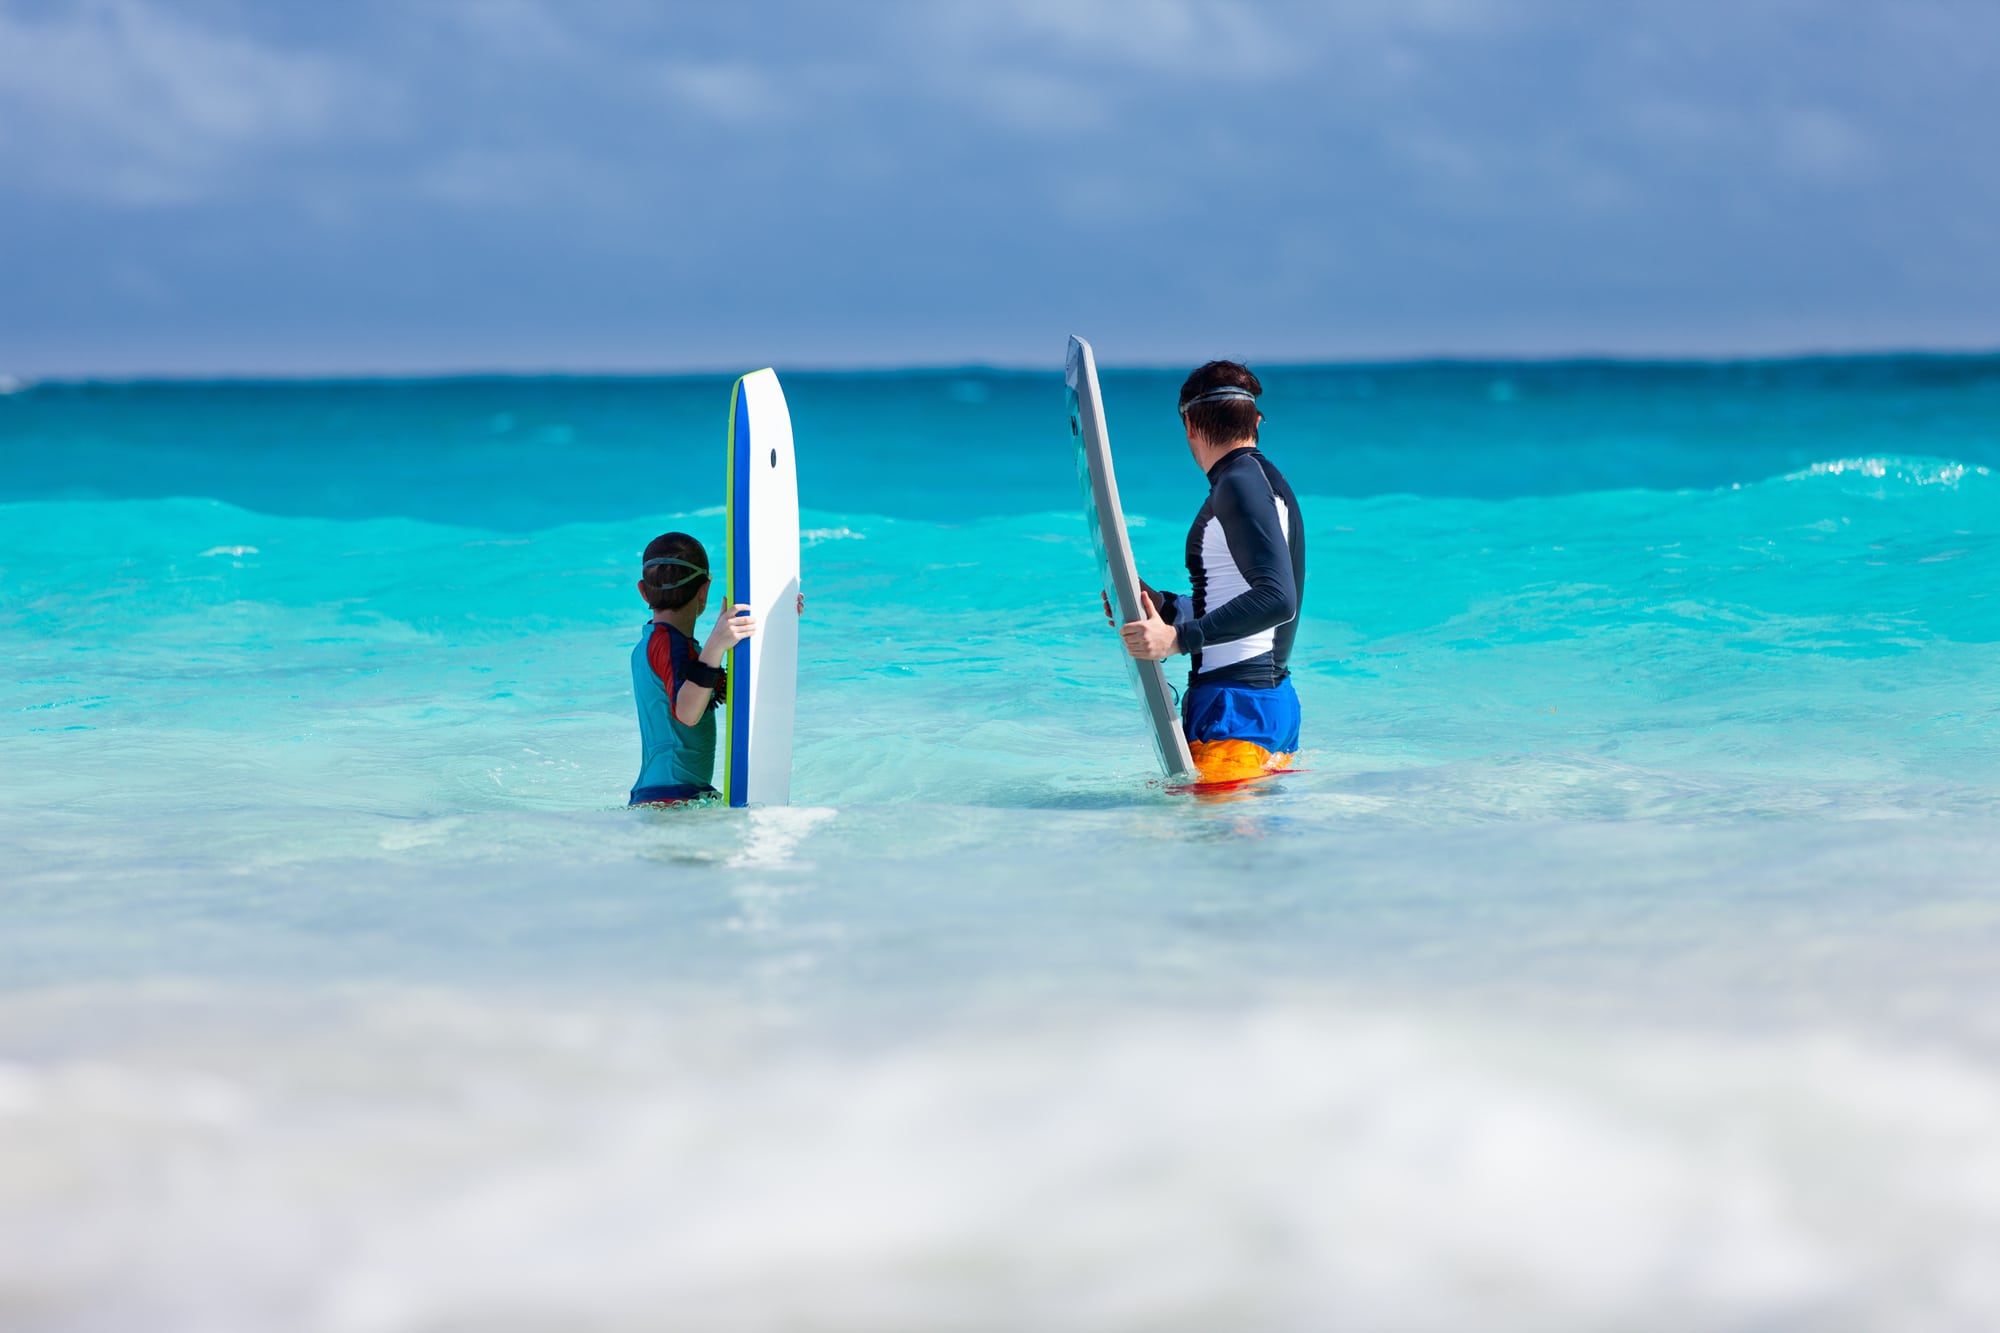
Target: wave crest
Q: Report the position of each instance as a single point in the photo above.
(1909, 471)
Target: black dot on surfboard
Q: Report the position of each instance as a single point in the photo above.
(774, 458)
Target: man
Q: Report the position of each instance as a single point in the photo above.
(1246, 557)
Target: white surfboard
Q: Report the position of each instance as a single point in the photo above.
(1114, 555)
(764, 574)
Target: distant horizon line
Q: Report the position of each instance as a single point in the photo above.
(15, 383)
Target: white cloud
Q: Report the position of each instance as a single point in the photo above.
(519, 178)
(122, 100)
(1428, 156)
(1822, 145)
(524, 31)
(1217, 39)
(732, 92)
(1030, 101)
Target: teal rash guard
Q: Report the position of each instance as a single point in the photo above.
(677, 762)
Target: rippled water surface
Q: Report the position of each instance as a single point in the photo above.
(1626, 953)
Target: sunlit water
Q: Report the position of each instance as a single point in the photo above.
(1626, 954)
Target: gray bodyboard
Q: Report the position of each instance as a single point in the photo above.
(1114, 554)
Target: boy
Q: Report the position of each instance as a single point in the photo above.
(676, 685)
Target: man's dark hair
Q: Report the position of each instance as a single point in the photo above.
(1222, 420)
(671, 587)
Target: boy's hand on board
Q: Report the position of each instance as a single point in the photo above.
(1150, 638)
(732, 627)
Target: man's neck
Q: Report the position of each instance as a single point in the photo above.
(1209, 455)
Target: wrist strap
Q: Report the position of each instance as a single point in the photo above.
(701, 673)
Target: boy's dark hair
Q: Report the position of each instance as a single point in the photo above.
(1221, 420)
(669, 587)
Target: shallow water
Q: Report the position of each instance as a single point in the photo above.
(1622, 956)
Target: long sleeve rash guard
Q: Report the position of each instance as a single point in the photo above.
(1246, 555)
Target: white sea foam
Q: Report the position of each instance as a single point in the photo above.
(773, 835)
(1913, 471)
(414, 1161)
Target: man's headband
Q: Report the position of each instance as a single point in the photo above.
(1221, 395)
(699, 572)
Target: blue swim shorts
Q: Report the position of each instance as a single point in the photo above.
(1226, 712)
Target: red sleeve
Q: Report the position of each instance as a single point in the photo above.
(660, 655)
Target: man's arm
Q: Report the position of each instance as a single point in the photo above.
(1247, 509)
(1175, 607)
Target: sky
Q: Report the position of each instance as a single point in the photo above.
(380, 186)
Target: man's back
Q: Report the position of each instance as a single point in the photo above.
(1246, 555)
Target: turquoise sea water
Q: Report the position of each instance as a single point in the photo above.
(1626, 954)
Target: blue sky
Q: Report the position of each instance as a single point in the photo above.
(221, 186)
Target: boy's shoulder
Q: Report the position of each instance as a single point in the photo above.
(666, 645)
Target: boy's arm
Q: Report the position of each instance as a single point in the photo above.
(691, 699)
(1247, 509)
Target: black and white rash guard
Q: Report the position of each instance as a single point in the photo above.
(1246, 554)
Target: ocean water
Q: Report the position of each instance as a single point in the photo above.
(1625, 955)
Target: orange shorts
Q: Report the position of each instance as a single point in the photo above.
(1234, 761)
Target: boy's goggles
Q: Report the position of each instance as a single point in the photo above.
(648, 567)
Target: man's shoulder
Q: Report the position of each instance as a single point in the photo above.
(1272, 475)
(1250, 474)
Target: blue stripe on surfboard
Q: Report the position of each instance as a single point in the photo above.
(739, 592)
